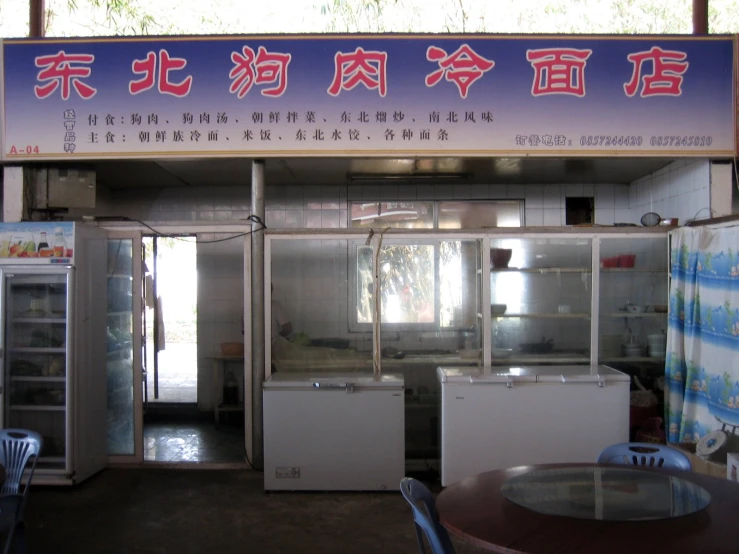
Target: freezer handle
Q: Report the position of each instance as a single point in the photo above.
(483, 381)
(597, 379)
(348, 387)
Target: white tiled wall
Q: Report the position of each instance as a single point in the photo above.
(325, 207)
(220, 267)
(682, 190)
(676, 191)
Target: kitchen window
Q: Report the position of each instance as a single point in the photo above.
(425, 285)
(437, 214)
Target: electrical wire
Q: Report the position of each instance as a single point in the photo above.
(252, 218)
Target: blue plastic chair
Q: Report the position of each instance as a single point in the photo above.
(644, 454)
(425, 517)
(17, 447)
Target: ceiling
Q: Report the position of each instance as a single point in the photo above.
(295, 171)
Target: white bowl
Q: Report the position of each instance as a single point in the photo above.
(497, 309)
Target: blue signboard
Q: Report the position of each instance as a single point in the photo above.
(473, 95)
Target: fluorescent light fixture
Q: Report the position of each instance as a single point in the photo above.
(410, 177)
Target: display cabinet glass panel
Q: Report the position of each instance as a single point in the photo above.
(119, 347)
(633, 301)
(540, 300)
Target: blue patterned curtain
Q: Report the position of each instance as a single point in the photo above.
(702, 365)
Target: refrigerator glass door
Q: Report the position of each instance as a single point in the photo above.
(119, 348)
(36, 334)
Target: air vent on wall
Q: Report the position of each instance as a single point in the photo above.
(70, 187)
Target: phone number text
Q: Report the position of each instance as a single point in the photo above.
(610, 140)
(669, 140)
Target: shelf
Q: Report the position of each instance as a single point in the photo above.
(39, 320)
(640, 314)
(547, 316)
(34, 379)
(635, 359)
(543, 270)
(119, 276)
(37, 408)
(542, 358)
(38, 350)
(630, 270)
(120, 314)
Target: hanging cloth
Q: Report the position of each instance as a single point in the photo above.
(161, 342)
(148, 288)
(701, 367)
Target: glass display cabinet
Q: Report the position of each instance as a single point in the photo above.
(633, 301)
(540, 300)
(585, 298)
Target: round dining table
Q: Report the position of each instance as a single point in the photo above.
(476, 511)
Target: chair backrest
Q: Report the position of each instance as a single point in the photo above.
(17, 446)
(644, 454)
(425, 516)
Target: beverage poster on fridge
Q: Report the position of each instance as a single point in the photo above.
(37, 242)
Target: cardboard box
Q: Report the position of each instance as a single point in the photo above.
(705, 467)
(732, 467)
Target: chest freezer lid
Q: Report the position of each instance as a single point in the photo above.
(315, 380)
(579, 374)
(480, 375)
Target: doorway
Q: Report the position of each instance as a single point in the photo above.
(170, 293)
(178, 424)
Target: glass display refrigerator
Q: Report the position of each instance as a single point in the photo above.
(52, 343)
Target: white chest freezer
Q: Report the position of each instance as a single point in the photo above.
(494, 418)
(332, 431)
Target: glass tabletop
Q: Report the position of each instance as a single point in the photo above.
(609, 494)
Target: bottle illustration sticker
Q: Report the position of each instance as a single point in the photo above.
(60, 245)
(44, 250)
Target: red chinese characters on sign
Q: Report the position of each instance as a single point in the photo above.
(62, 69)
(148, 67)
(666, 79)
(463, 67)
(558, 71)
(264, 69)
(366, 67)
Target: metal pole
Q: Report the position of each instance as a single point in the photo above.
(36, 18)
(700, 17)
(257, 314)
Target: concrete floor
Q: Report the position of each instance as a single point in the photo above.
(198, 511)
(193, 442)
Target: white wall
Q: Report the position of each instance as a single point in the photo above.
(682, 190)
(220, 267)
(325, 207)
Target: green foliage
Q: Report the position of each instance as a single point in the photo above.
(347, 17)
(140, 17)
(120, 17)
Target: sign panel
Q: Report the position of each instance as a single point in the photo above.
(37, 242)
(429, 95)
